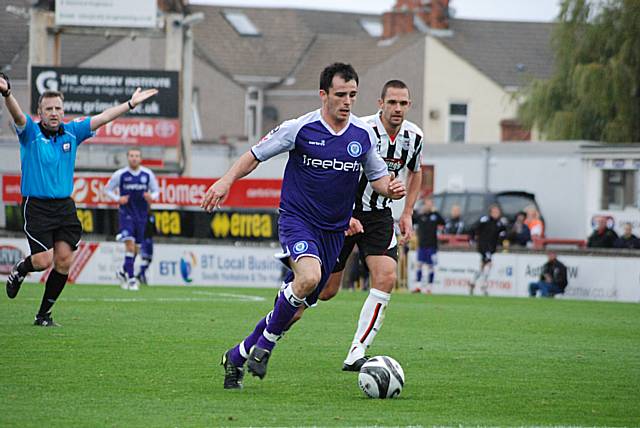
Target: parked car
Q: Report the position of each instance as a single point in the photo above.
(474, 204)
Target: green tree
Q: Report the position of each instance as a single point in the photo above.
(594, 93)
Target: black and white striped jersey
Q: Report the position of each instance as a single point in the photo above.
(404, 151)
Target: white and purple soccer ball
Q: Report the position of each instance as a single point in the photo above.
(381, 377)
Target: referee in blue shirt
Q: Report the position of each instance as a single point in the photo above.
(47, 159)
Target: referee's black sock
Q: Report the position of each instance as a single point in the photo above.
(25, 266)
(53, 288)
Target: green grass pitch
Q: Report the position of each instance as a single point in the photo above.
(150, 358)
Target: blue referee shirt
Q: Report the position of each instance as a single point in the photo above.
(48, 161)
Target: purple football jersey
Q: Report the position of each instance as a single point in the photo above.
(321, 176)
(134, 184)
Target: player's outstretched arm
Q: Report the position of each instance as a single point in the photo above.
(138, 97)
(9, 100)
(219, 190)
(389, 186)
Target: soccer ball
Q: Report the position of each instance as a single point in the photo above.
(381, 377)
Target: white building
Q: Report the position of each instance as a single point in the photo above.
(572, 181)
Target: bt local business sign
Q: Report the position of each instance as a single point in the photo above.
(88, 191)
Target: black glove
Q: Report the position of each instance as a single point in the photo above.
(8, 91)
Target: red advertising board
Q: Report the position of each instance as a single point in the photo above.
(88, 191)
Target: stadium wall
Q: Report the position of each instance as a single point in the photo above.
(606, 278)
(192, 265)
(590, 277)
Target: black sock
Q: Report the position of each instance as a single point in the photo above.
(25, 266)
(53, 288)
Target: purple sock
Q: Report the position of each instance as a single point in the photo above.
(128, 264)
(235, 355)
(431, 276)
(284, 309)
(144, 266)
(419, 275)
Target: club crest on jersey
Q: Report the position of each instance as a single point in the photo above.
(300, 247)
(66, 147)
(354, 149)
(143, 179)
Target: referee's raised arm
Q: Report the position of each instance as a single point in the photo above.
(12, 104)
(138, 97)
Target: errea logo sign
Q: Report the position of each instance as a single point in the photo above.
(335, 164)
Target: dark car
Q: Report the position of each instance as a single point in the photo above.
(475, 204)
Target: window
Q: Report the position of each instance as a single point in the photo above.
(372, 26)
(241, 23)
(253, 114)
(618, 189)
(450, 201)
(513, 204)
(457, 122)
(476, 208)
(196, 124)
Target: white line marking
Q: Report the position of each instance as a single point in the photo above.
(221, 297)
(243, 297)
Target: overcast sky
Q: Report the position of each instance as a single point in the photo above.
(508, 10)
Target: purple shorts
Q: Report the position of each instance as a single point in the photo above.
(131, 228)
(427, 255)
(146, 248)
(301, 239)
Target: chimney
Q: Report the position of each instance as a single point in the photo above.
(439, 16)
(402, 17)
(512, 130)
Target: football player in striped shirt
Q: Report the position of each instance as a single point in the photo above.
(399, 142)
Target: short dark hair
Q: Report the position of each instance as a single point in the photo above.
(346, 71)
(134, 149)
(398, 84)
(50, 94)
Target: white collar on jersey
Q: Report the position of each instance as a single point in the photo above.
(135, 172)
(382, 130)
(330, 129)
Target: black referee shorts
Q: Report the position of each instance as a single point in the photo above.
(47, 221)
(486, 254)
(378, 238)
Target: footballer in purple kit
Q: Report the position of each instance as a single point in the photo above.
(328, 148)
(133, 188)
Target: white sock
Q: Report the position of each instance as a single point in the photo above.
(485, 276)
(370, 322)
(476, 276)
